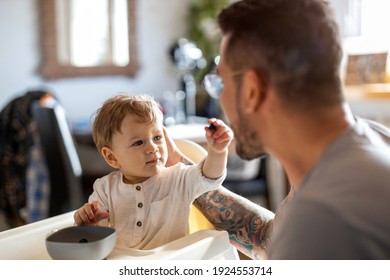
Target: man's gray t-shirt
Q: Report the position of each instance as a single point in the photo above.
(342, 208)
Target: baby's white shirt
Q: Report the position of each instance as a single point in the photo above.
(154, 212)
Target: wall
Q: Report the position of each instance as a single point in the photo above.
(159, 24)
(371, 38)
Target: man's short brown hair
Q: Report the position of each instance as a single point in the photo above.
(295, 43)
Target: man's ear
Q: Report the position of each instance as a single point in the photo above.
(253, 91)
(110, 158)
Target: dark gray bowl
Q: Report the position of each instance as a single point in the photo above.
(81, 243)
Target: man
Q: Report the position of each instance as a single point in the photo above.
(282, 94)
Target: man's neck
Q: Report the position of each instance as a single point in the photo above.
(308, 139)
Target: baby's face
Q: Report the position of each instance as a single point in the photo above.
(140, 150)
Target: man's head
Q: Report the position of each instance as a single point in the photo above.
(290, 46)
(295, 44)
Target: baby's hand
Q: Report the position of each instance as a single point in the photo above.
(218, 135)
(89, 214)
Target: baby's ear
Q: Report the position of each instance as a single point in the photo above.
(110, 158)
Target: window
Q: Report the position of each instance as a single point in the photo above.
(88, 38)
(372, 21)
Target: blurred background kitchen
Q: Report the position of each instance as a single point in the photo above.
(84, 51)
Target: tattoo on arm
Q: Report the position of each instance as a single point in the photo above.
(249, 225)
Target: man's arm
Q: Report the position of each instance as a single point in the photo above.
(249, 225)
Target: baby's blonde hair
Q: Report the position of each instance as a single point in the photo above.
(108, 119)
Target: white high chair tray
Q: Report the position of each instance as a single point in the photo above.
(28, 242)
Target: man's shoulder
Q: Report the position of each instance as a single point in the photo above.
(375, 134)
(355, 154)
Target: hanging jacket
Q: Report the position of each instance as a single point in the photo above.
(16, 142)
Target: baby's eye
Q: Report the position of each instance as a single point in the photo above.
(158, 138)
(138, 143)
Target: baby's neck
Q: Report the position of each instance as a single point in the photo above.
(134, 181)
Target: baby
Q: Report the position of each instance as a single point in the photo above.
(147, 203)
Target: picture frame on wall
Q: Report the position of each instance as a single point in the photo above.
(366, 68)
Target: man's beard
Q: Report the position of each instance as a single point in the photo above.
(248, 142)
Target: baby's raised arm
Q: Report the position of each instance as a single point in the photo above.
(218, 136)
(89, 214)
